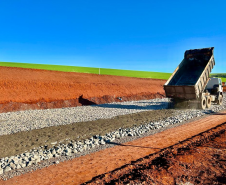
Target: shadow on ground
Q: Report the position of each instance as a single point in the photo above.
(160, 105)
(84, 101)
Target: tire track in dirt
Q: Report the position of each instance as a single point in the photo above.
(82, 169)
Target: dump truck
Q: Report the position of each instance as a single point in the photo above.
(190, 86)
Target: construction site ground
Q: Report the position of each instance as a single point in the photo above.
(200, 159)
(193, 153)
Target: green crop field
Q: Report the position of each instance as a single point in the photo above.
(103, 71)
(219, 75)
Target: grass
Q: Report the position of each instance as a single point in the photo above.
(103, 71)
(219, 75)
(223, 79)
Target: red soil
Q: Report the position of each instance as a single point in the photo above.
(82, 169)
(224, 87)
(23, 89)
(199, 160)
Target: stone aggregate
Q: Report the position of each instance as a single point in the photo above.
(13, 122)
(35, 156)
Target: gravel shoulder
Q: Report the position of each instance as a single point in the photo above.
(49, 136)
(13, 122)
(38, 148)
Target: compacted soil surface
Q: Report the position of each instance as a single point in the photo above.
(23, 89)
(198, 160)
(193, 153)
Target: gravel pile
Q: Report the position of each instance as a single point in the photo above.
(13, 122)
(110, 110)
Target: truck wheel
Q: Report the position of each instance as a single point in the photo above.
(203, 103)
(208, 102)
(220, 100)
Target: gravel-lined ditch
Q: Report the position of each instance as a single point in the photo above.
(31, 159)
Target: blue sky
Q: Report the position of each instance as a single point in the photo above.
(140, 35)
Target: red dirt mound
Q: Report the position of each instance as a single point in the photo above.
(23, 89)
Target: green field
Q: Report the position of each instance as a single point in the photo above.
(219, 75)
(103, 71)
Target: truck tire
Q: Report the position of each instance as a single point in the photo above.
(220, 100)
(208, 102)
(202, 103)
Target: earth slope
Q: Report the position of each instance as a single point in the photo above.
(23, 89)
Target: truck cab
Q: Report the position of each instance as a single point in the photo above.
(214, 85)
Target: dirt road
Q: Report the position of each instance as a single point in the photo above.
(198, 160)
(80, 170)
